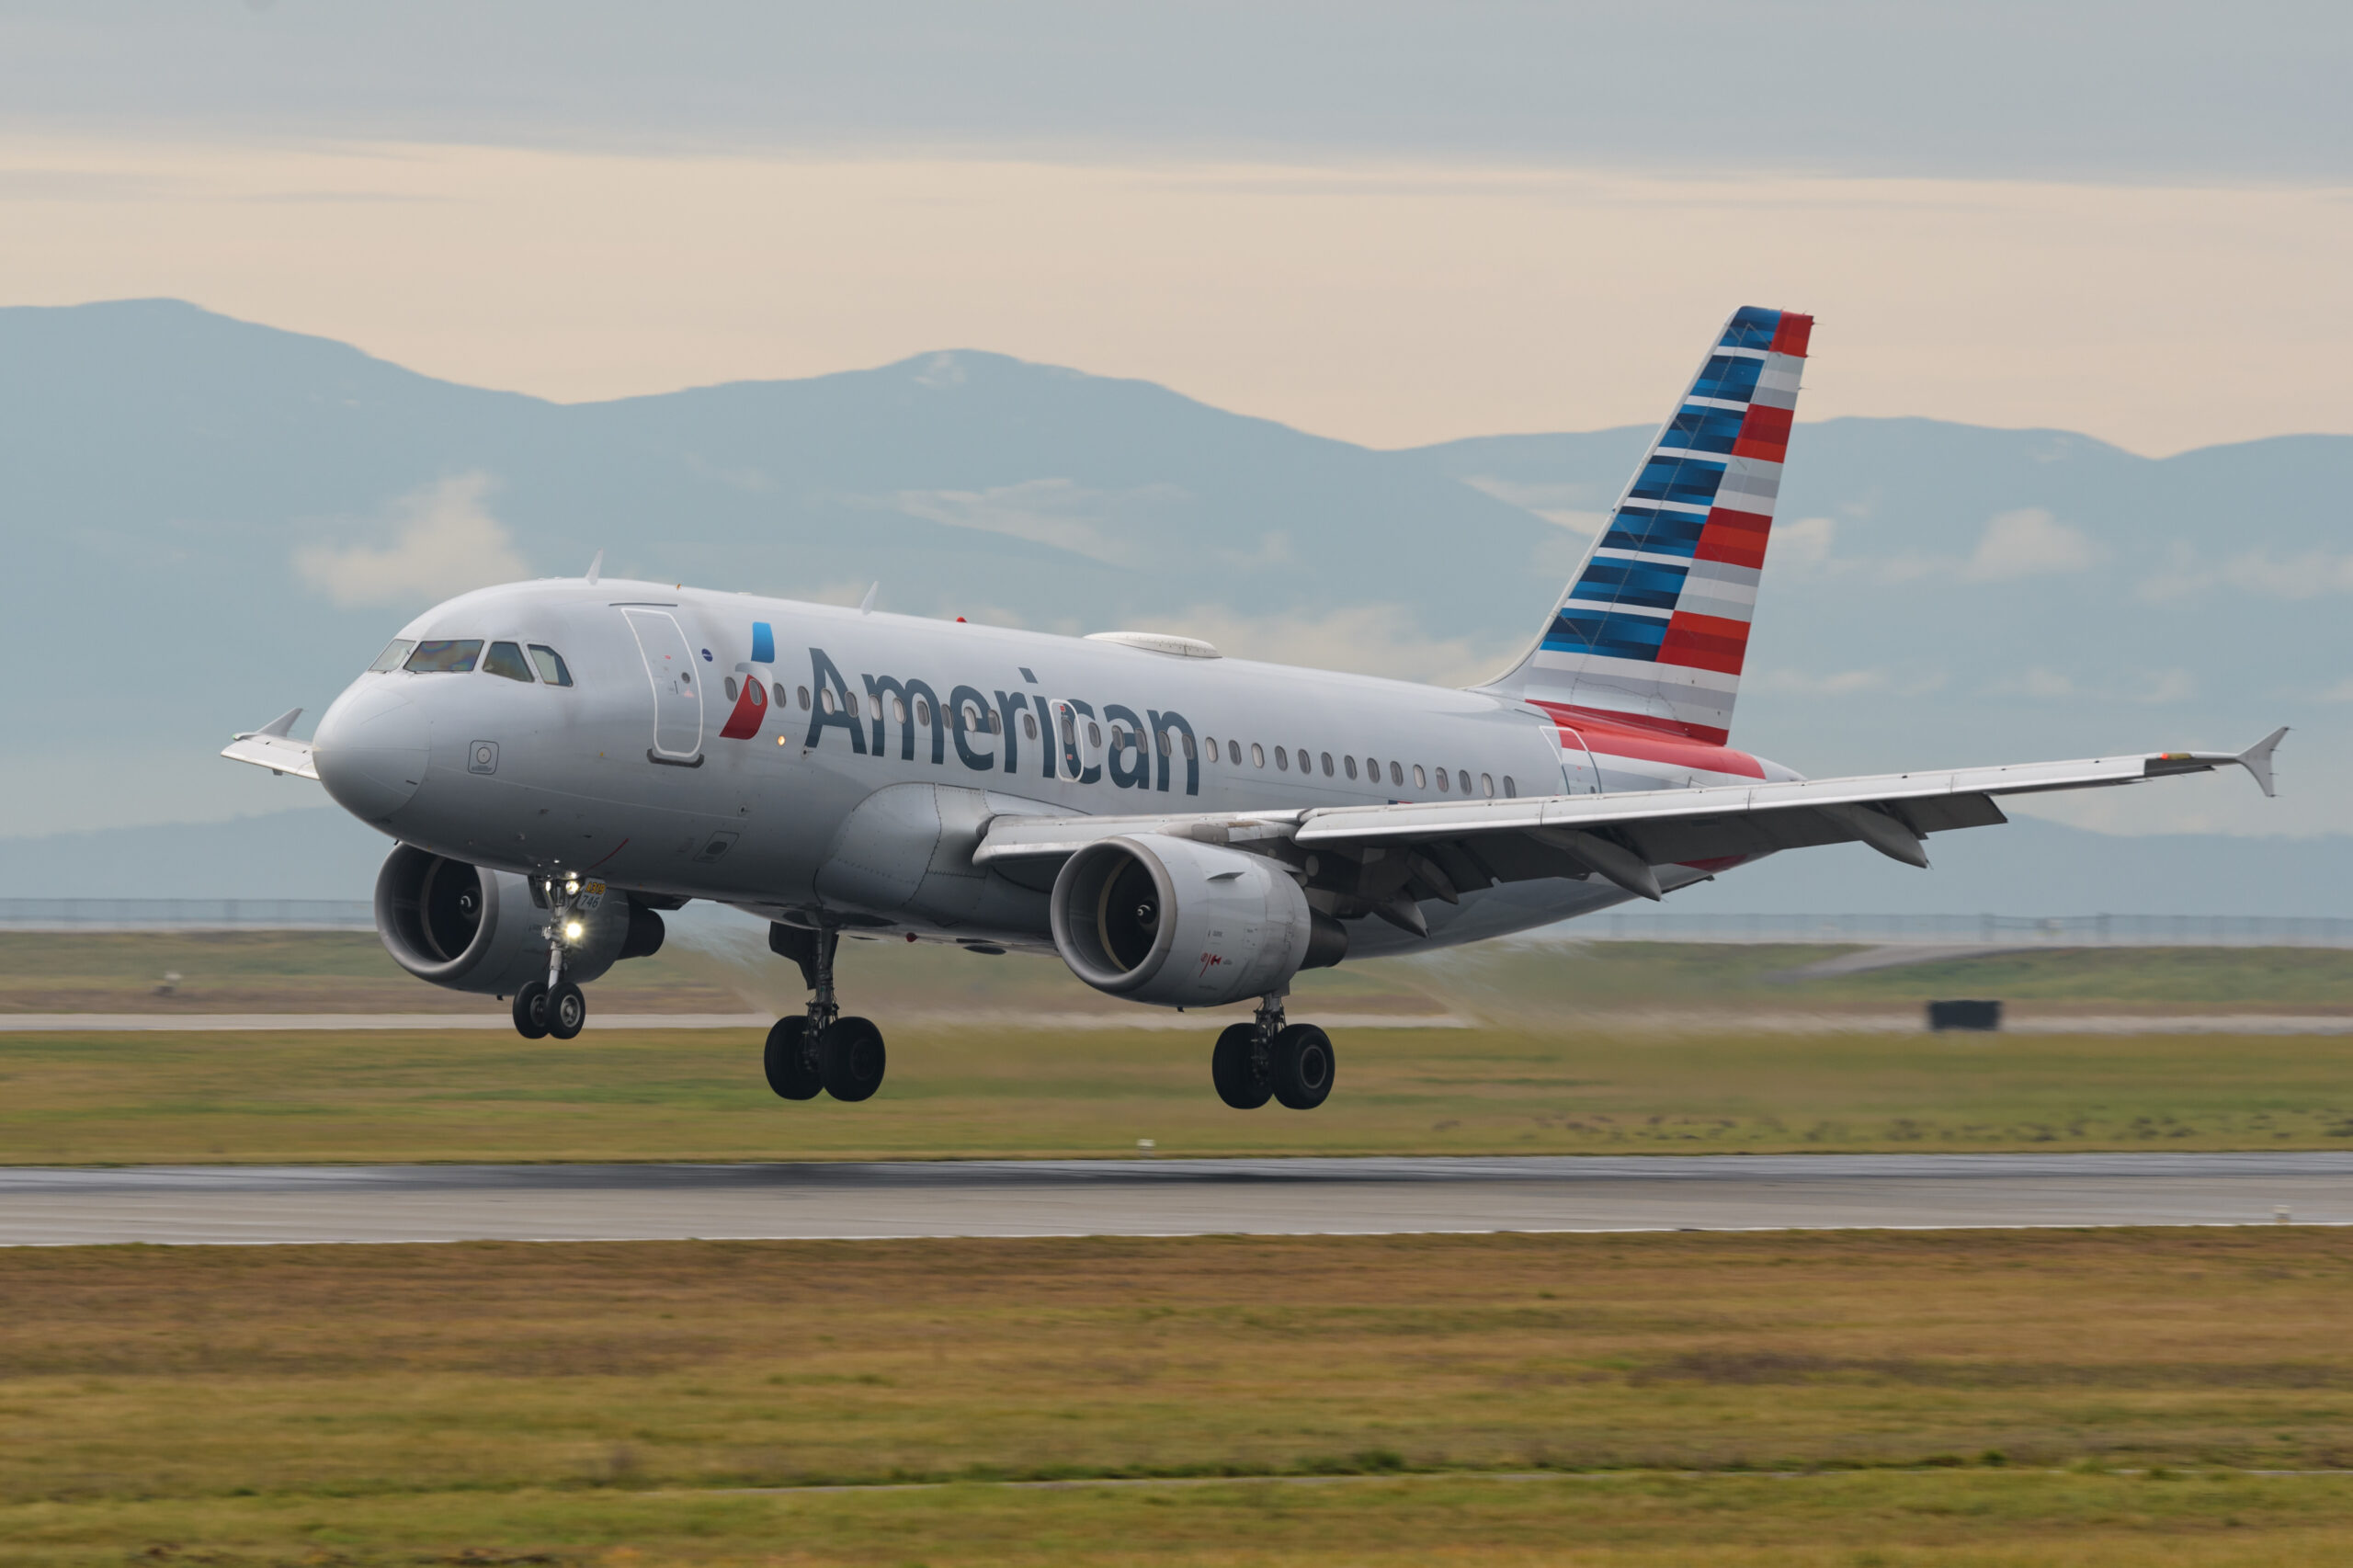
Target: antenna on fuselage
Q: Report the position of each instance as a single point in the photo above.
(866, 605)
(595, 565)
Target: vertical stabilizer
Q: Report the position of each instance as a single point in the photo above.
(1653, 630)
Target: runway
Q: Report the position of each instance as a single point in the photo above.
(235, 1205)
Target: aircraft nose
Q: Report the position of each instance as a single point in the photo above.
(371, 749)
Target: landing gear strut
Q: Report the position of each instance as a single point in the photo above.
(1269, 1059)
(820, 1050)
(554, 1006)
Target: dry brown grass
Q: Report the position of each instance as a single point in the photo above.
(598, 1403)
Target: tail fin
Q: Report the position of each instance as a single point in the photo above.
(1652, 633)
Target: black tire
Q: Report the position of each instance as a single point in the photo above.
(849, 1055)
(1302, 1066)
(792, 1074)
(567, 1010)
(1233, 1071)
(531, 1010)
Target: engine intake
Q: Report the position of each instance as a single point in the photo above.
(1186, 924)
(460, 926)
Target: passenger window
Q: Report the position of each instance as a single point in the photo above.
(1327, 764)
(1352, 767)
(552, 669)
(1464, 777)
(445, 656)
(1396, 775)
(1487, 785)
(825, 698)
(1419, 781)
(506, 659)
(1210, 742)
(1188, 748)
(1441, 780)
(923, 711)
(781, 699)
(1257, 755)
(728, 684)
(390, 659)
(1028, 726)
(1282, 759)
(1094, 734)
(804, 699)
(996, 723)
(1234, 753)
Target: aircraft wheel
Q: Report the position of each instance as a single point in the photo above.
(850, 1056)
(567, 1010)
(1302, 1066)
(791, 1072)
(1233, 1072)
(532, 1011)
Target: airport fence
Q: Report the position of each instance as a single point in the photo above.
(1968, 930)
(186, 914)
(1874, 930)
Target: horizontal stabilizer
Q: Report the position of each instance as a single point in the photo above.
(272, 746)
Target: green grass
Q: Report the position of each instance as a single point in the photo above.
(1503, 983)
(698, 1094)
(1951, 1398)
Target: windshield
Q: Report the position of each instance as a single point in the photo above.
(506, 659)
(445, 655)
(552, 669)
(390, 659)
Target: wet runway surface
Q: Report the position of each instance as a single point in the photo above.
(1144, 1198)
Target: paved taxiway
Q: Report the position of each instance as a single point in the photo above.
(1143, 1197)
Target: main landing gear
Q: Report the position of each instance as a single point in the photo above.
(1269, 1059)
(821, 1050)
(554, 1006)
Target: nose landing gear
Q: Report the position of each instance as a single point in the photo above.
(1269, 1059)
(844, 1057)
(554, 1006)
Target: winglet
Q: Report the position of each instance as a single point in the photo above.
(866, 605)
(2256, 758)
(283, 725)
(597, 566)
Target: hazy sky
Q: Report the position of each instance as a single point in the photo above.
(1390, 223)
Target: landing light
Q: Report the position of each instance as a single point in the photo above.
(571, 930)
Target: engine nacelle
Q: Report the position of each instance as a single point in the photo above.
(470, 929)
(1186, 924)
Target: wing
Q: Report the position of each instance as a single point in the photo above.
(1390, 855)
(270, 746)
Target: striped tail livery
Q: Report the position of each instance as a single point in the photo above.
(1641, 657)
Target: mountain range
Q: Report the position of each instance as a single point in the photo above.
(211, 521)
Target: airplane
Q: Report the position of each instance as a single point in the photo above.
(562, 761)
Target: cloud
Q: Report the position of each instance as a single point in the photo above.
(2311, 575)
(1053, 512)
(2341, 692)
(1805, 541)
(443, 542)
(1568, 506)
(1379, 640)
(2028, 543)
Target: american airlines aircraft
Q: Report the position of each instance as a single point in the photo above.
(560, 760)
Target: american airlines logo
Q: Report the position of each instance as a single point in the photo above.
(985, 728)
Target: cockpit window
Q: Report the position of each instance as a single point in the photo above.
(445, 655)
(506, 659)
(390, 659)
(552, 669)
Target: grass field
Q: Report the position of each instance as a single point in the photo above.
(698, 1094)
(1954, 1398)
(1500, 983)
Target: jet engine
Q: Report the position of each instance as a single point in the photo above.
(470, 929)
(1186, 924)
